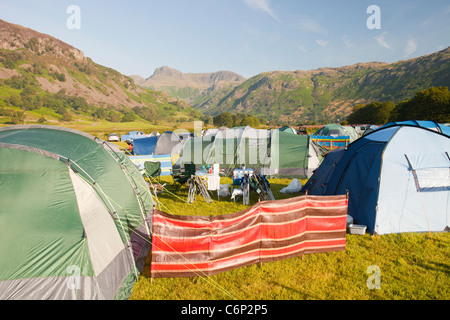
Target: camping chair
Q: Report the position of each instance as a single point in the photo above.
(260, 184)
(197, 186)
(153, 170)
(182, 176)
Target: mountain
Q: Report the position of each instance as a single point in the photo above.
(189, 86)
(39, 71)
(328, 94)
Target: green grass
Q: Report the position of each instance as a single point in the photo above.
(412, 266)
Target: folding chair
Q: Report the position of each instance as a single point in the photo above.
(197, 185)
(180, 177)
(153, 170)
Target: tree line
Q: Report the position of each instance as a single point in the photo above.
(227, 119)
(430, 104)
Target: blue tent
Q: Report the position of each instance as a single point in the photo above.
(397, 178)
(423, 123)
(166, 143)
(145, 146)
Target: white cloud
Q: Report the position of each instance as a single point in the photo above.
(410, 48)
(307, 24)
(302, 49)
(263, 5)
(322, 43)
(382, 42)
(347, 42)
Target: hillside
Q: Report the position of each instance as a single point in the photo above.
(191, 87)
(328, 94)
(38, 71)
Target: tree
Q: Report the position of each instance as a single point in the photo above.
(248, 120)
(15, 100)
(42, 120)
(18, 117)
(28, 91)
(60, 76)
(114, 116)
(129, 116)
(373, 113)
(100, 113)
(67, 117)
(223, 120)
(206, 119)
(430, 104)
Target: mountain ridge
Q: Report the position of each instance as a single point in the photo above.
(329, 94)
(49, 66)
(167, 76)
(317, 95)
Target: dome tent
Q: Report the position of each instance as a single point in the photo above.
(397, 178)
(334, 135)
(288, 129)
(78, 208)
(432, 125)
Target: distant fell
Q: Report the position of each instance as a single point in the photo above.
(329, 94)
(188, 86)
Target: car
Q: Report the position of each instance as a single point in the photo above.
(113, 137)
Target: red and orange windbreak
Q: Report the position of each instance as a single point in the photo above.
(185, 246)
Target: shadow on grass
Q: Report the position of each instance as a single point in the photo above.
(180, 194)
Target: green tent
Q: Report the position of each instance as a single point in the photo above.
(274, 153)
(75, 217)
(293, 155)
(288, 129)
(239, 146)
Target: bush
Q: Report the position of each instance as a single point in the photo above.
(42, 120)
(18, 118)
(129, 116)
(67, 117)
(114, 116)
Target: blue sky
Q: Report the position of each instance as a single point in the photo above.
(244, 36)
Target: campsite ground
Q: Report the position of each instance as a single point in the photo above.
(410, 266)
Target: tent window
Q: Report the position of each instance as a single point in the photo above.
(431, 179)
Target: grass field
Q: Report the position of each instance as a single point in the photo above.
(411, 266)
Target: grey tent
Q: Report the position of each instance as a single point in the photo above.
(168, 143)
